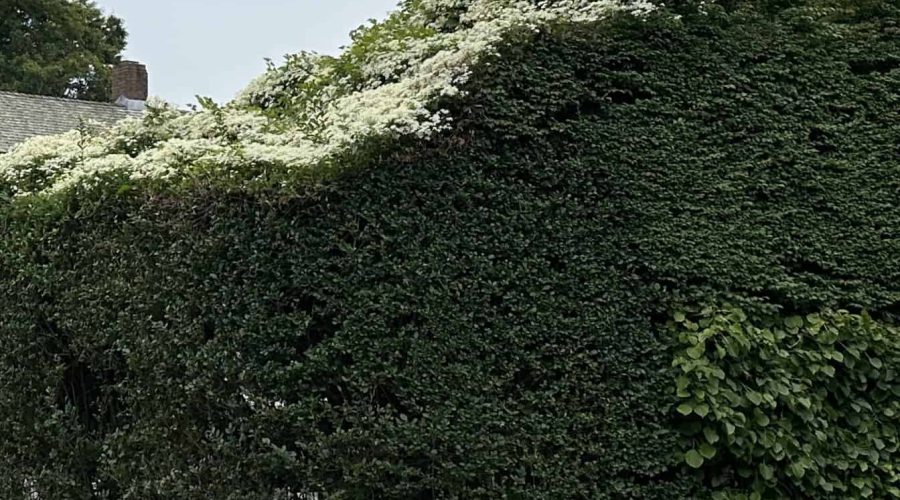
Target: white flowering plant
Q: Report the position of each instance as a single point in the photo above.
(312, 110)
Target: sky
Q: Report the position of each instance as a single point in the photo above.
(214, 48)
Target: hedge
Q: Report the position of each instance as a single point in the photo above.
(486, 314)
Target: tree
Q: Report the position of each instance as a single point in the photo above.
(59, 48)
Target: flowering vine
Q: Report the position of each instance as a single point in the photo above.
(312, 108)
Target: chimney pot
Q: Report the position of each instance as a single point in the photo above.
(129, 80)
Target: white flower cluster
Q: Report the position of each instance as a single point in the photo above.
(400, 67)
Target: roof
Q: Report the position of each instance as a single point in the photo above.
(23, 116)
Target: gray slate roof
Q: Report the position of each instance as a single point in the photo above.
(23, 116)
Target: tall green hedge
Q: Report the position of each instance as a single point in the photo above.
(480, 316)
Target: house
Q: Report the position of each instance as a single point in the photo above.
(23, 116)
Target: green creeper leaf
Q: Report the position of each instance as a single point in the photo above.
(685, 408)
(797, 470)
(693, 458)
(707, 451)
(696, 352)
(701, 409)
(711, 435)
(766, 472)
(754, 397)
(720, 351)
(679, 317)
(682, 384)
(793, 322)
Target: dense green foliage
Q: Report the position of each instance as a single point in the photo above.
(798, 406)
(60, 48)
(483, 315)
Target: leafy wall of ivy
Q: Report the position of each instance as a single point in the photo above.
(483, 315)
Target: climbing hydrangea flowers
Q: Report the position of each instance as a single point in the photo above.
(312, 109)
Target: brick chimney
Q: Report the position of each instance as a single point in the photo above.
(129, 80)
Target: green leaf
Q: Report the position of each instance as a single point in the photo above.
(707, 451)
(682, 384)
(793, 322)
(766, 472)
(754, 397)
(679, 317)
(711, 435)
(696, 352)
(702, 409)
(693, 458)
(685, 408)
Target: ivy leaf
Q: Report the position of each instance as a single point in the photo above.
(707, 451)
(695, 352)
(754, 397)
(766, 472)
(693, 458)
(702, 409)
(797, 470)
(711, 435)
(793, 322)
(760, 418)
(685, 408)
(682, 384)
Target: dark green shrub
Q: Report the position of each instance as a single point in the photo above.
(479, 316)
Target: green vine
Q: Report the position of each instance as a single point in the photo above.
(796, 406)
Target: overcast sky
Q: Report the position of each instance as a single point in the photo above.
(215, 47)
